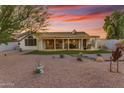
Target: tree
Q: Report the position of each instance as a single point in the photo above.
(114, 25)
(15, 19)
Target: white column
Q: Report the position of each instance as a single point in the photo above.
(43, 44)
(63, 44)
(96, 46)
(55, 44)
(40, 44)
(68, 44)
(82, 44)
(79, 46)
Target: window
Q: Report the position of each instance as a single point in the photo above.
(30, 41)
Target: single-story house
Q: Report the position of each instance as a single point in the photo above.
(57, 41)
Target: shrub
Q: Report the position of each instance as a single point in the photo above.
(38, 71)
(39, 68)
(5, 54)
(61, 56)
(79, 59)
(53, 57)
(80, 54)
(98, 54)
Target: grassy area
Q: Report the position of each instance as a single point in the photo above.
(68, 52)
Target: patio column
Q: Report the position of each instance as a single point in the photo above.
(44, 46)
(63, 44)
(55, 44)
(79, 46)
(96, 45)
(68, 44)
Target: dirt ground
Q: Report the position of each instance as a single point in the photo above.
(16, 70)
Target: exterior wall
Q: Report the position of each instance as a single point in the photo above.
(23, 47)
(41, 45)
(8, 47)
(95, 43)
(110, 44)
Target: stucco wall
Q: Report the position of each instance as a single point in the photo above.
(38, 47)
(110, 44)
(23, 47)
(9, 46)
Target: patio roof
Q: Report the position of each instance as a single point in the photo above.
(73, 34)
(64, 35)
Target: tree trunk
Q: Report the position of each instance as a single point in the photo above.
(110, 64)
(117, 66)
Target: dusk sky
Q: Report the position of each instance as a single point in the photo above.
(87, 18)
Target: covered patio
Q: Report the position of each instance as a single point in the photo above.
(65, 44)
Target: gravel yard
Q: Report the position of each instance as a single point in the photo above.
(16, 70)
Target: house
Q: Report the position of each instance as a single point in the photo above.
(57, 41)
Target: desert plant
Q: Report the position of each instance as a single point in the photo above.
(61, 56)
(98, 54)
(80, 54)
(39, 69)
(5, 54)
(79, 59)
(53, 57)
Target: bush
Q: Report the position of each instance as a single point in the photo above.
(79, 59)
(5, 54)
(53, 57)
(39, 68)
(98, 54)
(80, 54)
(38, 71)
(61, 56)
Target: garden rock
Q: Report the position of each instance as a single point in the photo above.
(100, 59)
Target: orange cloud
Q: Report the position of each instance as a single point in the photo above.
(79, 18)
(57, 17)
(65, 7)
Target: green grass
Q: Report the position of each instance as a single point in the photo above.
(68, 52)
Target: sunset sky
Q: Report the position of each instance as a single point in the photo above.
(87, 18)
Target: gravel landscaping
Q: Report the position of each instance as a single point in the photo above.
(16, 70)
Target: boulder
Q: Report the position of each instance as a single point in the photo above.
(100, 59)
